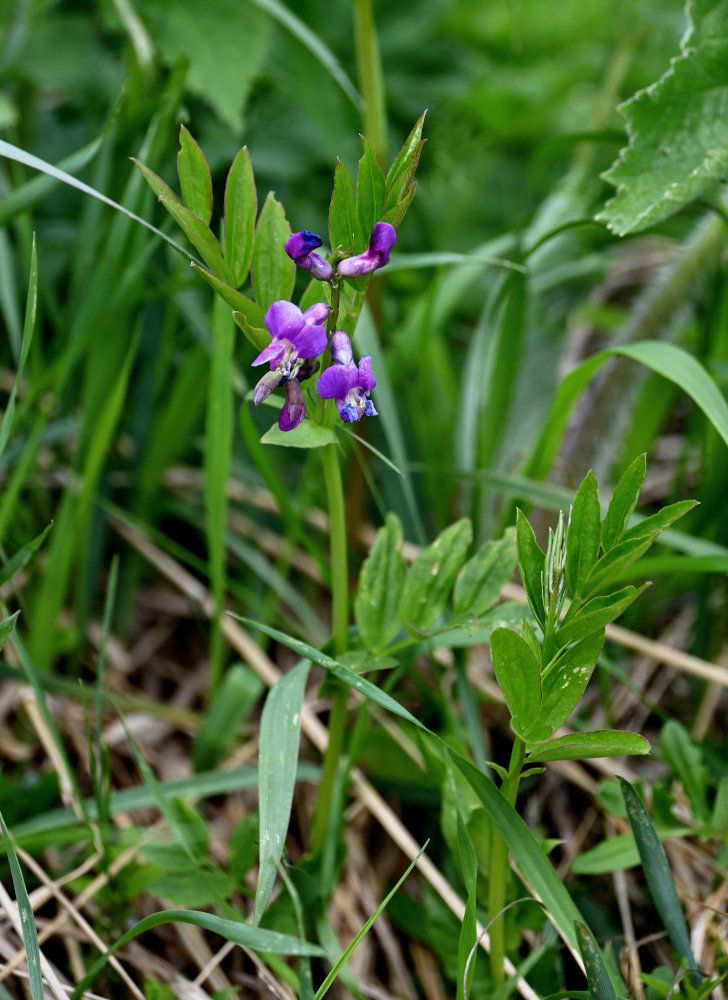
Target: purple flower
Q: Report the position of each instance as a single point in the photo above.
(346, 382)
(299, 247)
(297, 337)
(381, 242)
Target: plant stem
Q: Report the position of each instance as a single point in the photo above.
(340, 629)
(370, 78)
(499, 867)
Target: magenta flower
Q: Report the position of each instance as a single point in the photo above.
(299, 247)
(381, 242)
(297, 337)
(346, 383)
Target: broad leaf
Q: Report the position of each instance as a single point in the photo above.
(519, 675)
(482, 578)
(194, 176)
(531, 564)
(564, 682)
(623, 502)
(241, 206)
(274, 273)
(677, 128)
(584, 534)
(583, 746)
(380, 587)
(342, 211)
(432, 575)
(613, 855)
(306, 435)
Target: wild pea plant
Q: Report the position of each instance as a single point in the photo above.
(543, 654)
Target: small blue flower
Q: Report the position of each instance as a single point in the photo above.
(299, 247)
(381, 242)
(347, 383)
(297, 338)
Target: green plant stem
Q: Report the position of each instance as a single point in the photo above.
(370, 77)
(340, 629)
(499, 868)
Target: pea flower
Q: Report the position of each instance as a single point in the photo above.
(299, 247)
(381, 242)
(297, 338)
(345, 382)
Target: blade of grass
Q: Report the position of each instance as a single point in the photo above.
(27, 917)
(29, 324)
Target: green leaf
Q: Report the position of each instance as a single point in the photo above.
(342, 211)
(369, 196)
(201, 237)
(404, 166)
(584, 534)
(482, 578)
(252, 312)
(395, 214)
(623, 502)
(531, 561)
(241, 207)
(616, 854)
(527, 852)
(6, 628)
(194, 176)
(657, 872)
(597, 613)
(686, 760)
(668, 360)
(677, 128)
(432, 575)
(23, 556)
(584, 746)
(306, 435)
(564, 682)
(25, 909)
(245, 935)
(160, 187)
(519, 675)
(257, 336)
(658, 522)
(597, 977)
(280, 728)
(274, 273)
(231, 705)
(29, 325)
(381, 580)
(611, 565)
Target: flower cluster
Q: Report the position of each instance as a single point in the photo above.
(299, 337)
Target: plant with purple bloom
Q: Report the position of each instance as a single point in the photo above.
(300, 247)
(377, 254)
(297, 337)
(346, 382)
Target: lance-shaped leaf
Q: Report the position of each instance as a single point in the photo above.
(483, 577)
(201, 237)
(369, 196)
(612, 564)
(403, 169)
(342, 211)
(583, 746)
(241, 207)
(380, 587)
(652, 526)
(623, 502)
(584, 534)
(432, 575)
(519, 675)
(677, 128)
(274, 273)
(597, 977)
(658, 874)
(597, 613)
(531, 561)
(155, 182)
(194, 176)
(236, 300)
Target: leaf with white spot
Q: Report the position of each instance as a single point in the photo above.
(280, 728)
(564, 682)
(677, 128)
